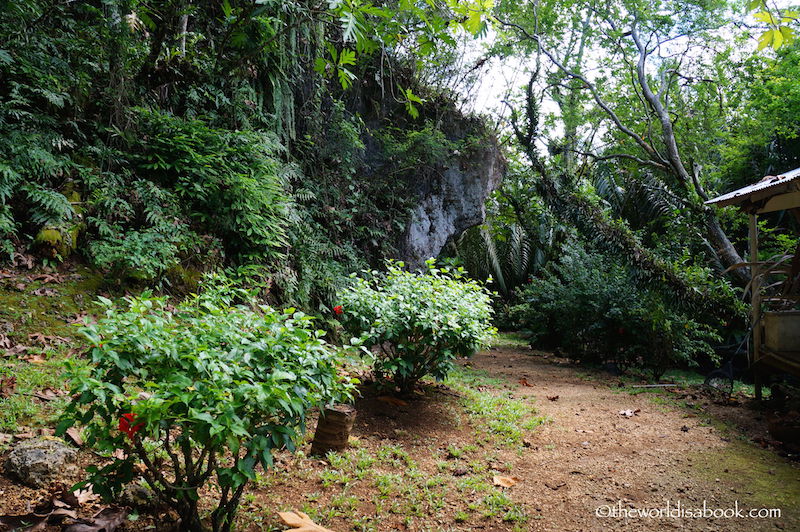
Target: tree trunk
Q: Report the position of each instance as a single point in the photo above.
(333, 429)
(724, 248)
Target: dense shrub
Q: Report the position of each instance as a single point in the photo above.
(230, 182)
(199, 392)
(591, 308)
(183, 191)
(419, 322)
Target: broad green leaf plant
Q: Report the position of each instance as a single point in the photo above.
(778, 32)
(199, 393)
(419, 323)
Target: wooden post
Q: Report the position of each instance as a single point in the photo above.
(333, 429)
(755, 303)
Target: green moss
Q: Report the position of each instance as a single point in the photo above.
(57, 242)
(49, 236)
(49, 314)
(765, 479)
(187, 279)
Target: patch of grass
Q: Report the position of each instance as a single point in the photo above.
(472, 484)
(15, 408)
(510, 339)
(453, 451)
(499, 418)
(498, 503)
(331, 477)
(395, 456)
(388, 484)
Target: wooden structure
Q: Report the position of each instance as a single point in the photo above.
(774, 319)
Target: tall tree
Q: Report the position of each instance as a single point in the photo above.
(646, 61)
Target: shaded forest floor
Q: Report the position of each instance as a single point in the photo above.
(566, 441)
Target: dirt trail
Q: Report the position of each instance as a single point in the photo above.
(591, 456)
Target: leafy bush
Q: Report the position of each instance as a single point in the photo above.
(137, 227)
(419, 322)
(207, 390)
(231, 181)
(592, 308)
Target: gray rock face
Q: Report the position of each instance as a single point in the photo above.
(452, 203)
(40, 461)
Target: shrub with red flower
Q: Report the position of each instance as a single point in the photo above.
(194, 388)
(128, 425)
(338, 310)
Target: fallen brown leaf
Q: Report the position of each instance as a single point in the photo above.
(48, 394)
(17, 349)
(552, 398)
(86, 496)
(524, 382)
(5, 438)
(5, 341)
(45, 291)
(75, 435)
(33, 522)
(394, 401)
(506, 482)
(19, 259)
(48, 278)
(49, 510)
(555, 486)
(8, 386)
(39, 338)
(300, 522)
(106, 520)
(35, 358)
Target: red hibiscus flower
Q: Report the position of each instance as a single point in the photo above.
(338, 309)
(128, 425)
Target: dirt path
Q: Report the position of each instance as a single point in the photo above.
(428, 464)
(592, 457)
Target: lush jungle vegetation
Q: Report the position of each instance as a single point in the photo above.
(268, 156)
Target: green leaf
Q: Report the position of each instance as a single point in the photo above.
(345, 77)
(766, 17)
(765, 40)
(349, 27)
(321, 65)
(347, 57)
(788, 34)
(777, 39)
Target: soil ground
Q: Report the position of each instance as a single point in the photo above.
(588, 459)
(553, 429)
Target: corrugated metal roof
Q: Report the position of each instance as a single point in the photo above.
(762, 189)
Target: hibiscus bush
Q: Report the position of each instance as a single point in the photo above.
(198, 393)
(417, 322)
